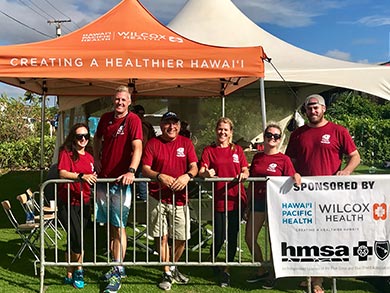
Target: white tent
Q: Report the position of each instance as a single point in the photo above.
(220, 22)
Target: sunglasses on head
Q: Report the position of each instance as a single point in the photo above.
(276, 136)
(82, 135)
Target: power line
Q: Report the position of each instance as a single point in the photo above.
(31, 28)
(25, 4)
(60, 12)
(37, 12)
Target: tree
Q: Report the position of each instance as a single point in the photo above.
(368, 122)
(20, 131)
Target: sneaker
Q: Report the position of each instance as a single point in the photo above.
(225, 279)
(256, 278)
(78, 279)
(113, 271)
(166, 282)
(68, 281)
(269, 284)
(178, 277)
(114, 284)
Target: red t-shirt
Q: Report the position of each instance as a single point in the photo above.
(83, 165)
(318, 151)
(117, 138)
(226, 163)
(269, 165)
(171, 158)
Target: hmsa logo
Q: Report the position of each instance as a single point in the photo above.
(379, 211)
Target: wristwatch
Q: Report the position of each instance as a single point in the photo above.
(131, 170)
(80, 176)
(190, 175)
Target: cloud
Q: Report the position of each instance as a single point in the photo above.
(286, 13)
(337, 54)
(374, 20)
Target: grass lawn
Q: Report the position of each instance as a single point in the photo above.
(19, 277)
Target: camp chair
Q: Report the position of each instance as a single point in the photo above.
(29, 233)
(201, 215)
(137, 220)
(49, 213)
(48, 218)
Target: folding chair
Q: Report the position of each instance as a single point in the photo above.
(49, 213)
(201, 216)
(29, 233)
(48, 218)
(136, 219)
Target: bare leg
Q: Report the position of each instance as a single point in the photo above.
(119, 243)
(179, 249)
(163, 250)
(253, 227)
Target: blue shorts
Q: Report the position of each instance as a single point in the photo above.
(109, 203)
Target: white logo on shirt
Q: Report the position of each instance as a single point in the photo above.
(120, 130)
(272, 167)
(180, 153)
(235, 158)
(325, 139)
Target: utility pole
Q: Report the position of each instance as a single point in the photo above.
(58, 24)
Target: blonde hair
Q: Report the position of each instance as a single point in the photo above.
(123, 89)
(230, 122)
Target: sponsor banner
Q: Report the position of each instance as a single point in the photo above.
(330, 225)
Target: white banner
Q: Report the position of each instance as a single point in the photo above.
(330, 225)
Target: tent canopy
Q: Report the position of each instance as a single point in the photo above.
(220, 22)
(128, 46)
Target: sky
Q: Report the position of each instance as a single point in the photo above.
(351, 30)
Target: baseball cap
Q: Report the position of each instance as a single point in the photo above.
(170, 116)
(314, 100)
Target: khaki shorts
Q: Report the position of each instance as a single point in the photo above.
(166, 219)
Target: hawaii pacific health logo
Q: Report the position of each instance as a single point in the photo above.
(379, 211)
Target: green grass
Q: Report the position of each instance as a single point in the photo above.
(19, 277)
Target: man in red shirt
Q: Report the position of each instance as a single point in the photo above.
(117, 150)
(171, 160)
(317, 149)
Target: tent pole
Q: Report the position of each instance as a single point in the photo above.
(223, 105)
(262, 103)
(43, 118)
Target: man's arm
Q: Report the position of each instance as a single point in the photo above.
(353, 162)
(164, 179)
(182, 181)
(128, 177)
(97, 148)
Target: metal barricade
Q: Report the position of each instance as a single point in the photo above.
(141, 247)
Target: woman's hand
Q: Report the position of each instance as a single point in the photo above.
(90, 178)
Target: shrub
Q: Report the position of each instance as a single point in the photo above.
(25, 154)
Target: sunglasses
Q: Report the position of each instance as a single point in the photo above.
(82, 135)
(276, 136)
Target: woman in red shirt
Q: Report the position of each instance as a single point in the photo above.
(271, 162)
(75, 163)
(225, 159)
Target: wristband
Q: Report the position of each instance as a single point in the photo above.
(190, 175)
(131, 170)
(80, 176)
(158, 177)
